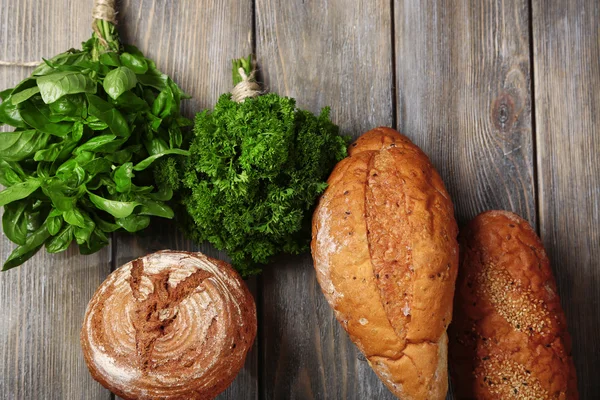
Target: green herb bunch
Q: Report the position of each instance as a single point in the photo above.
(88, 126)
(254, 172)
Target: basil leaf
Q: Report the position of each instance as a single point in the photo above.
(5, 94)
(26, 251)
(97, 166)
(61, 196)
(124, 155)
(56, 85)
(10, 173)
(141, 189)
(133, 223)
(129, 48)
(110, 59)
(130, 102)
(50, 153)
(156, 146)
(61, 241)
(77, 132)
(118, 81)
(35, 218)
(164, 103)
(38, 118)
(71, 106)
(10, 114)
(18, 191)
(63, 59)
(82, 234)
(111, 147)
(74, 217)
(122, 177)
(164, 194)
(94, 143)
(153, 122)
(105, 226)
(175, 137)
(156, 208)
(105, 112)
(24, 95)
(137, 63)
(54, 224)
(95, 124)
(146, 163)
(71, 173)
(18, 145)
(14, 222)
(158, 82)
(118, 209)
(96, 241)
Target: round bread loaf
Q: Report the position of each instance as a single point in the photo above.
(509, 338)
(385, 253)
(170, 325)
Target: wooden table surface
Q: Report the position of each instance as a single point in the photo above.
(504, 96)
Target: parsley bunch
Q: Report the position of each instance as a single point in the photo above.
(254, 172)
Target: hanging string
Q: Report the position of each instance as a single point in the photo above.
(19, 63)
(103, 10)
(246, 88)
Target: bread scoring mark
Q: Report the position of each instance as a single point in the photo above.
(387, 224)
(507, 379)
(157, 311)
(513, 301)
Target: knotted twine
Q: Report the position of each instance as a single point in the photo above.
(19, 63)
(246, 88)
(103, 10)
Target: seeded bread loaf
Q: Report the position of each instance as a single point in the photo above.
(170, 325)
(385, 253)
(509, 338)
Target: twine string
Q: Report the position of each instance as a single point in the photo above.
(246, 88)
(19, 63)
(103, 10)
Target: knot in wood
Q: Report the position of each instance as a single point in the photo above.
(503, 112)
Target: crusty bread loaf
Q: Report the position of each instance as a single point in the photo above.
(170, 325)
(509, 338)
(385, 252)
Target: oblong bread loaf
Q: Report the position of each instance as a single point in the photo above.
(385, 253)
(509, 338)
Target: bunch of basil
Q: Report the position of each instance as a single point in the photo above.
(89, 125)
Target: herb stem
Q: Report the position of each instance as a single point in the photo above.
(246, 64)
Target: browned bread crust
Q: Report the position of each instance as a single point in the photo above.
(170, 325)
(385, 252)
(509, 337)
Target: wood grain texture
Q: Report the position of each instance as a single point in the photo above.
(194, 43)
(43, 301)
(566, 39)
(463, 96)
(339, 54)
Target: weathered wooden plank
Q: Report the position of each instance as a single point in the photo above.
(463, 95)
(43, 301)
(334, 53)
(194, 43)
(566, 43)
